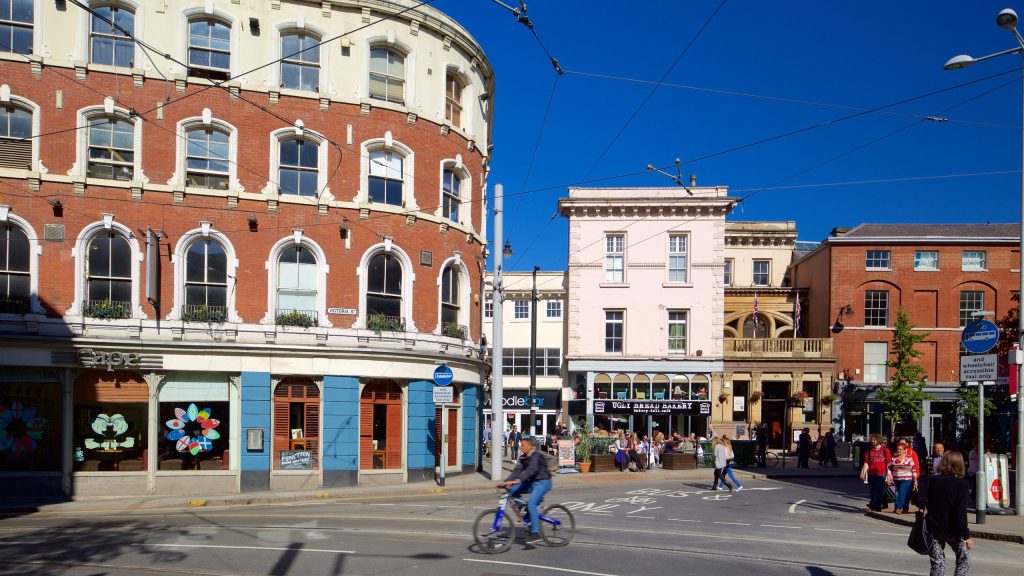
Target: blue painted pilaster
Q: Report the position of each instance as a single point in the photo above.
(255, 474)
(470, 398)
(341, 431)
(420, 444)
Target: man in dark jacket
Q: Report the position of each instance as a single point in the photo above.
(828, 450)
(803, 448)
(513, 442)
(531, 476)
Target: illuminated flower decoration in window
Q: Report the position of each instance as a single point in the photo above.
(193, 430)
(20, 429)
(110, 429)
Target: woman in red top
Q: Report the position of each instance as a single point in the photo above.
(875, 471)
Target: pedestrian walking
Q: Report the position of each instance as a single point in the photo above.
(487, 440)
(904, 472)
(828, 450)
(803, 449)
(875, 472)
(721, 458)
(514, 438)
(729, 463)
(947, 515)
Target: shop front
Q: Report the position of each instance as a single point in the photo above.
(649, 402)
(516, 410)
(649, 416)
(31, 423)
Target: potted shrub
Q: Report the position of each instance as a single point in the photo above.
(828, 399)
(453, 330)
(381, 323)
(295, 318)
(584, 447)
(107, 310)
(797, 400)
(723, 398)
(204, 314)
(755, 396)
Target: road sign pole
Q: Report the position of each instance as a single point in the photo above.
(982, 499)
(444, 441)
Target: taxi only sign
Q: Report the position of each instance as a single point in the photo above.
(980, 368)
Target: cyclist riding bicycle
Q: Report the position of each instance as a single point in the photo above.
(531, 476)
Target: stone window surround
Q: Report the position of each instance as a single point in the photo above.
(408, 282)
(80, 169)
(388, 143)
(323, 269)
(78, 252)
(207, 12)
(299, 25)
(8, 99)
(34, 250)
(389, 40)
(465, 188)
(297, 132)
(85, 30)
(464, 290)
(178, 262)
(205, 122)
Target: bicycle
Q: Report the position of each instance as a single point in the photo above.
(494, 530)
(770, 458)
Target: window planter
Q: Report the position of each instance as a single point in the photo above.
(107, 309)
(797, 400)
(300, 318)
(207, 314)
(381, 323)
(453, 330)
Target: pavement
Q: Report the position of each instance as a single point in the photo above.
(997, 527)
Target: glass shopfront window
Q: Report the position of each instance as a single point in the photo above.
(110, 416)
(30, 426)
(194, 423)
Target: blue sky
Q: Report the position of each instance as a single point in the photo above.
(758, 70)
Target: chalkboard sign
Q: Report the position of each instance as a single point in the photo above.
(296, 460)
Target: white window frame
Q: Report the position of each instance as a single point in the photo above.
(970, 311)
(408, 282)
(553, 306)
(36, 26)
(468, 97)
(387, 143)
(489, 308)
(919, 262)
(323, 269)
(464, 292)
(611, 253)
(205, 13)
(520, 313)
(686, 330)
(178, 262)
(888, 308)
(456, 166)
(871, 369)
(621, 322)
(85, 31)
(754, 272)
(964, 267)
(301, 27)
(273, 188)
(34, 250)
(10, 100)
(78, 253)
(81, 166)
(205, 122)
(685, 255)
(868, 259)
(391, 41)
(729, 271)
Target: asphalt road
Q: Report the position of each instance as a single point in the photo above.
(811, 527)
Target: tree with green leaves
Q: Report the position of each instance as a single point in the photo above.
(967, 402)
(903, 398)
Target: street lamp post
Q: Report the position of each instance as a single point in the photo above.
(533, 355)
(1007, 20)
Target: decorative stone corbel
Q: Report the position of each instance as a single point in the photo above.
(411, 118)
(180, 82)
(138, 77)
(81, 69)
(414, 27)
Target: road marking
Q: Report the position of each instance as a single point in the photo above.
(379, 504)
(792, 509)
(23, 542)
(246, 548)
(888, 534)
(538, 566)
(681, 520)
(644, 517)
(834, 530)
(734, 523)
(777, 526)
(599, 513)
(413, 505)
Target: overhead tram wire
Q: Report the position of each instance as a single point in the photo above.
(650, 94)
(790, 177)
(785, 100)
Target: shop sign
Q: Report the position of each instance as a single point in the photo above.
(295, 460)
(520, 399)
(694, 407)
(111, 360)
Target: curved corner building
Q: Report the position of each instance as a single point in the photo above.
(239, 263)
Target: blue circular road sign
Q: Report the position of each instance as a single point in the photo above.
(443, 375)
(980, 336)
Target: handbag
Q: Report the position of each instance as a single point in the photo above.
(920, 539)
(889, 494)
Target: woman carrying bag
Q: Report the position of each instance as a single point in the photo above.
(947, 515)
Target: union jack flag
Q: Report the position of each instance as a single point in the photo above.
(797, 315)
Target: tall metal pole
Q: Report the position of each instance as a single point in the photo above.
(533, 355)
(981, 502)
(1019, 460)
(497, 416)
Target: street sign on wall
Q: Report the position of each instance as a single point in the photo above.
(980, 336)
(981, 368)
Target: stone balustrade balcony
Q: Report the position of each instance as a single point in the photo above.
(737, 348)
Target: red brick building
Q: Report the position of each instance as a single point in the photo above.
(942, 274)
(289, 254)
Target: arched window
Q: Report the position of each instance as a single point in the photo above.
(206, 282)
(386, 177)
(300, 63)
(15, 136)
(451, 194)
(111, 148)
(297, 287)
(209, 49)
(16, 20)
(109, 41)
(298, 167)
(108, 277)
(453, 86)
(384, 287)
(387, 74)
(206, 159)
(15, 271)
(450, 301)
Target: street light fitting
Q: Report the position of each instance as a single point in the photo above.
(1007, 19)
(958, 62)
(506, 250)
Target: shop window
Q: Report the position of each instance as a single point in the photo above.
(110, 43)
(195, 422)
(300, 62)
(620, 387)
(380, 426)
(641, 387)
(659, 387)
(602, 387)
(15, 135)
(453, 431)
(108, 277)
(699, 387)
(30, 425)
(810, 409)
(739, 401)
(297, 419)
(16, 19)
(111, 411)
(15, 271)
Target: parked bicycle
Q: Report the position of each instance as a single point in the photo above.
(494, 530)
(770, 458)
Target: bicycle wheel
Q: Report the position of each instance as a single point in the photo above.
(557, 525)
(772, 459)
(493, 541)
